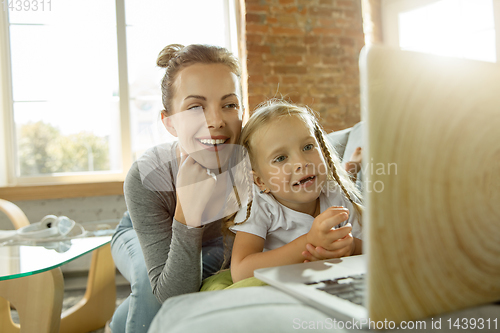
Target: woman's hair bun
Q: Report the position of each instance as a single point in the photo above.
(168, 53)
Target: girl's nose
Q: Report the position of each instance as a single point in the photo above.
(214, 118)
(302, 165)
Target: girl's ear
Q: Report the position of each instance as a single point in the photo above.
(258, 181)
(167, 122)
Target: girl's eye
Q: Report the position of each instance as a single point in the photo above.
(195, 107)
(279, 159)
(309, 146)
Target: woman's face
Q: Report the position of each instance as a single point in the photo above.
(207, 113)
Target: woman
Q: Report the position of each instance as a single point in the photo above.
(177, 193)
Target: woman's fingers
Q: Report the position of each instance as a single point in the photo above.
(183, 153)
(187, 160)
(191, 171)
(194, 187)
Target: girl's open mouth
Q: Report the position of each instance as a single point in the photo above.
(306, 181)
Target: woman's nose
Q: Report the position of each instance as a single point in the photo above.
(214, 118)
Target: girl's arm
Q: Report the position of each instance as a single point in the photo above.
(248, 256)
(247, 249)
(315, 253)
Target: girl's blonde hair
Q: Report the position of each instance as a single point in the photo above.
(175, 57)
(276, 108)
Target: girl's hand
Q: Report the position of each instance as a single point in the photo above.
(194, 189)
(322, 233)
(345, 246)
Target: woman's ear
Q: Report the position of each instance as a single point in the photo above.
(167, 122)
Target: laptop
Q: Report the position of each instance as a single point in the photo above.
(432, 195)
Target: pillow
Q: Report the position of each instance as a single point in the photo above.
(345, 143)
(339, 140)
(347, 140)
(355, 141)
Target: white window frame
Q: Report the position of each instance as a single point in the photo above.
(392, 8)
(8, 163)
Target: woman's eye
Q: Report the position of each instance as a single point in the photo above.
(309, 146)
(279, 159)
(195, 107)
(232, 106)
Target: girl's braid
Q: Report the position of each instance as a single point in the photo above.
(333, 169)
(228, 221)
(249, 186)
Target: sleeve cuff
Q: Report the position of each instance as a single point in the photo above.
(183, 229)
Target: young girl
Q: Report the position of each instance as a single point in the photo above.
(302, 197)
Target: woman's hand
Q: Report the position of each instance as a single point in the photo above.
(194, 189)
(329, 242)
(353, 166)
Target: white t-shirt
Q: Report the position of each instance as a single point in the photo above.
(279, 225)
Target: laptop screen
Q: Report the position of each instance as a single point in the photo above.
(432, 185)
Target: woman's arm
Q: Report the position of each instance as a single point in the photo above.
(172, 251)
(358, 246)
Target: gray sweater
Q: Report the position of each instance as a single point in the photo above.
(172, 250)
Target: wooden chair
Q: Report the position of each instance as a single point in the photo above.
(92, 312)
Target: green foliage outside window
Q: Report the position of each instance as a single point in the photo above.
(44, 150)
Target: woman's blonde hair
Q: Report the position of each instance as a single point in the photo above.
(175, 57)
(276, 108)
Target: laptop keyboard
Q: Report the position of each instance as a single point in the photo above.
(350, 288)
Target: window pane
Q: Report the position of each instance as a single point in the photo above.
(53, 139)
(31, 70)
(65, 89)
(38, 11)
(151, 26)
(458, 28)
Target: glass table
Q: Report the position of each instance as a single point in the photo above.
(31, 279)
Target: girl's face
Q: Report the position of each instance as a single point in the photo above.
(289, 162)
(207, 113)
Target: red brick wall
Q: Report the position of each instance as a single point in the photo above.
(306, 51)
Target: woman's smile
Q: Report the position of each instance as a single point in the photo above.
(214, 143)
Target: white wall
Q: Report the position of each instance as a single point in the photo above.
(79, 209)
(87, 209)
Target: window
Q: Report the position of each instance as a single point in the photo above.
(80, 88)
(457, 28)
